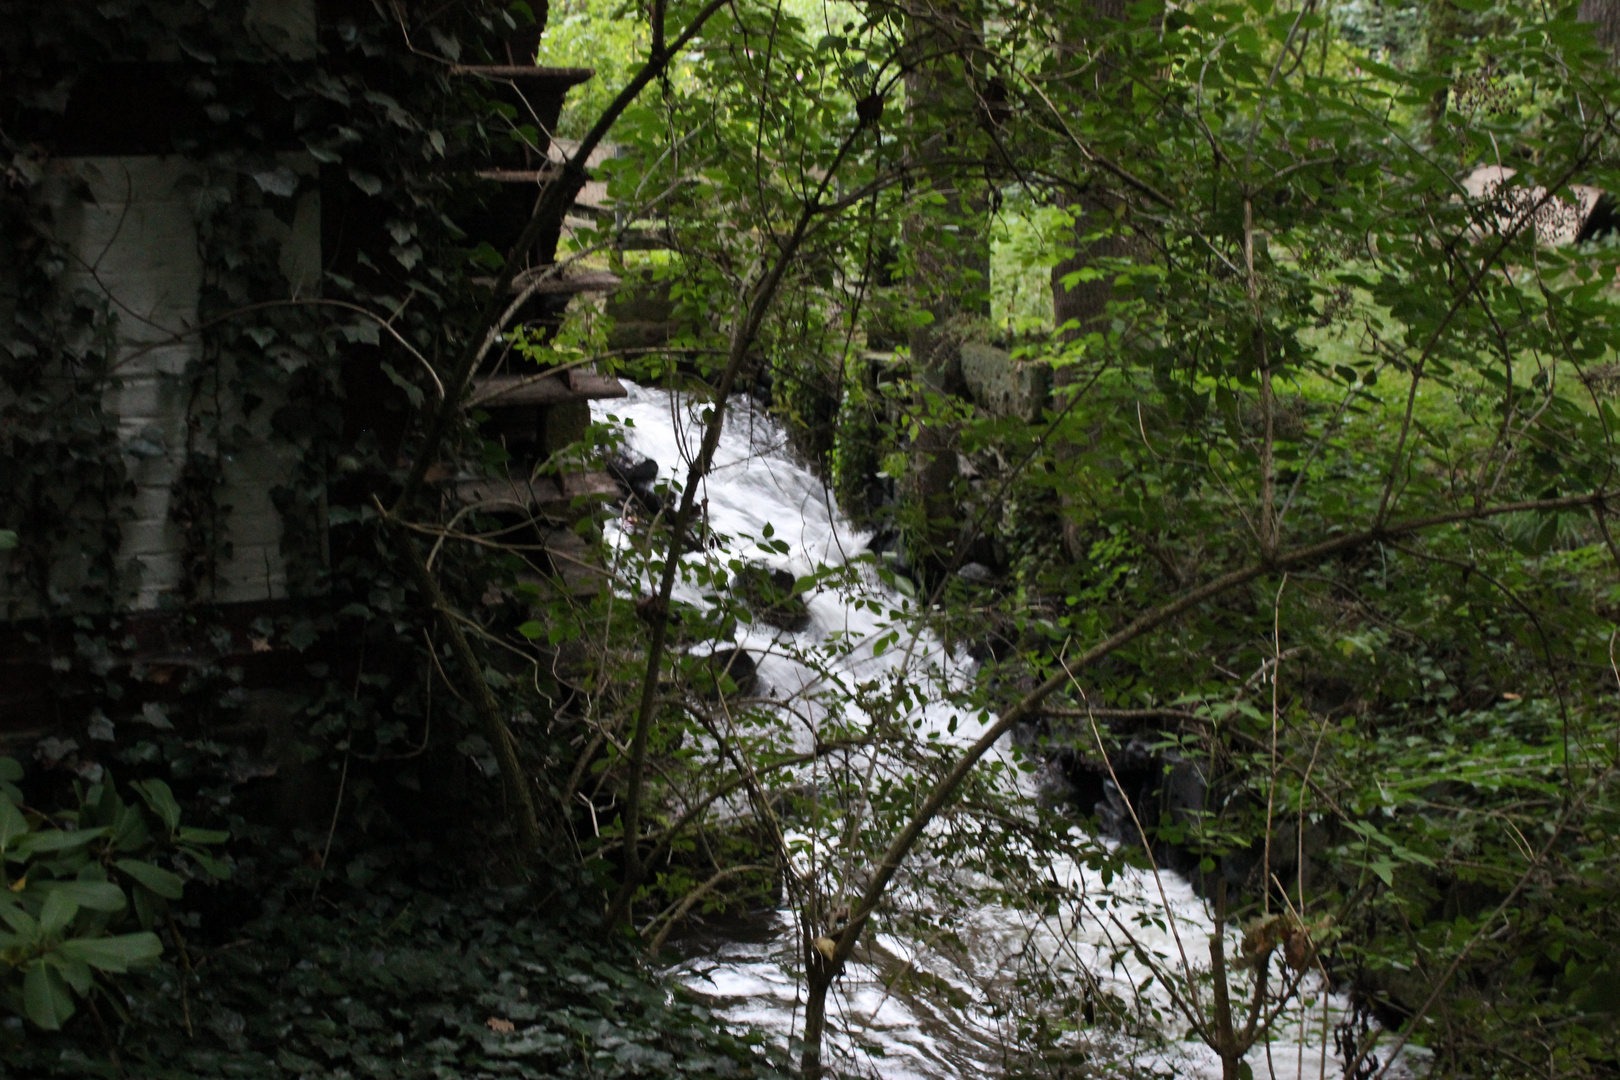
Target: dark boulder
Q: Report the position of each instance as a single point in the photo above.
(727, 672)
(636, 480)
(768, 593)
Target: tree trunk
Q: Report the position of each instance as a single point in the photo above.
(818, 979)
(949, 248)
(1604, 15)
(1085, 303)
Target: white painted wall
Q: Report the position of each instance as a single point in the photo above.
(134, 241)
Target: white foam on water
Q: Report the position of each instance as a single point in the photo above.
(957, 1026)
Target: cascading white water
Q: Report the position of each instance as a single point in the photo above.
(958, 1029)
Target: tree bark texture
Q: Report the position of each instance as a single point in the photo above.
(1604, 15)
(950, 277)
(1085, 303)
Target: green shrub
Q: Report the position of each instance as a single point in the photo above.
(78, 877)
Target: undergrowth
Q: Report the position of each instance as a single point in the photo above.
(396, 982)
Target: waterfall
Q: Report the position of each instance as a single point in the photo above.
(952, 1017)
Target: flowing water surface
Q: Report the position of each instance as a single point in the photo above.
(951, 1018)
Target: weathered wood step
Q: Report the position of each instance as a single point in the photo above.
(527, 391)
(560, 77)
(519, 176)
(547, 496)
(583, 281)
(538, 282)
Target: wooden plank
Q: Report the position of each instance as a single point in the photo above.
(519, 176)
(514, 391)
(572, 285)
(581, 282)
(562, 76)
(547, 496)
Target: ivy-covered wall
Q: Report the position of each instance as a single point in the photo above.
(236, 236)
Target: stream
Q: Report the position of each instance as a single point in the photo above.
(956, 1014)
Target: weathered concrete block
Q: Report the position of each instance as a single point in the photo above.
(1555, 221)
(1004, 386)
(566, 422)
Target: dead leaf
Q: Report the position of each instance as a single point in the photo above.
(826, 946)
(1512, 697)
(1299, 950)
(502, 1027)
(259, 644)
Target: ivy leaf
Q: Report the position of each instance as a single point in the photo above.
(486, 256)
(366, 182)
(360, 333)
(280, 181)
(412, 391)
(447, 45)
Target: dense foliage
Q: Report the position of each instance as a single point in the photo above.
(1289, 569)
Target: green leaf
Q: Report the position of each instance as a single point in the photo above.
(219, 868)
(11, 770)
(365, 182)
(57, 913)
(161, 800)
(115, 954)
(204, 836)
(147, 907)
(75, 972)
(95, 895)
(18, 919)
(412, 391)
(46, 997)
(46, 840)
(8, 539)
(12, 822)
(163, 882)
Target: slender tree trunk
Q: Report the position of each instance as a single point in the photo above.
(1604, 15)
(1085, 303)
(948, 243)
(1223, 1039)
(819, 975)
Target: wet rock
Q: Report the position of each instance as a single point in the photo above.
(769, 594)
(636, 480)
(1003, 386)
(976, 573)
(732, 664)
